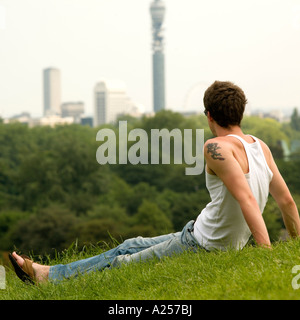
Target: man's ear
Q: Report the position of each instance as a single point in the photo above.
(209, 116)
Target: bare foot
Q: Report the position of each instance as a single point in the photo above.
(41, 272)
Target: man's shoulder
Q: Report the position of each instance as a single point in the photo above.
(216, 148)
(219, 141)
(266, 150)
(263, 144)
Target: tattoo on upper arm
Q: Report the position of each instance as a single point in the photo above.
(212, 149)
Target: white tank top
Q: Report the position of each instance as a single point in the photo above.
(221, 224)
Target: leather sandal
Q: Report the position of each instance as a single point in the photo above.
(26, 272)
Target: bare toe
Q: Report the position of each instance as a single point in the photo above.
(18, 258)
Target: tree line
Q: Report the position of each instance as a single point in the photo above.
(53, 192)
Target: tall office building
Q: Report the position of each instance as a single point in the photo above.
(52, 92)
(110, 101)
(157, 10)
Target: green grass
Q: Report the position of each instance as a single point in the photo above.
(250, 274)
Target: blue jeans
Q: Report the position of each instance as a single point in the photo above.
(131, 250)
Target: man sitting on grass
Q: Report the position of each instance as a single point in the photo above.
(240, 173)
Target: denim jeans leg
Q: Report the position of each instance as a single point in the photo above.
(104, 260)
(181, 241)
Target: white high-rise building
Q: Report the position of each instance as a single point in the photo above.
(52, 92)
(110, 101)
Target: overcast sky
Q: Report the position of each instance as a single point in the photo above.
(254, 43)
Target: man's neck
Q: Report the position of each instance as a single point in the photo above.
(221, 132)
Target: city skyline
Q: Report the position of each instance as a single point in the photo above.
(254, 44)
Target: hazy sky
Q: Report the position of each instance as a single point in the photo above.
(254, 43)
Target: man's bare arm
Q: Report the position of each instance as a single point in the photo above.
(280, 192)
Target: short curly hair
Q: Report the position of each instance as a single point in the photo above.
(225, 102)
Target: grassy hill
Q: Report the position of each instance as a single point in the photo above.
(250, 274)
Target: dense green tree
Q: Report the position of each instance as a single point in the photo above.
(291, 172)
(187, 206)
(8, 219)
(273, 220)
(268, 130)
(295, 120)
(48, 229)
(152, 219)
